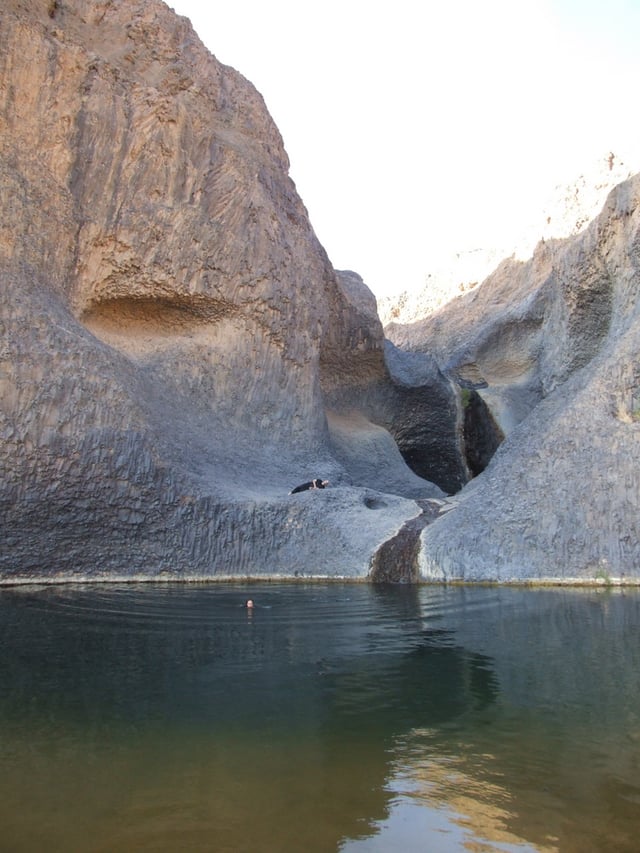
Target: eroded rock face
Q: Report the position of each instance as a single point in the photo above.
(379, 396)
(566, 213)
(177, 352)
(171, 327)
(552, 347)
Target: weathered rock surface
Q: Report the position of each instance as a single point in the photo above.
(177, 351)
(552, 348)
(173, 334)
(567, 212)
(418, 410)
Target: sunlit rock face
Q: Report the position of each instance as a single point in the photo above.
(567, 212)
(172, 331)
(177, 351)
(551, 346)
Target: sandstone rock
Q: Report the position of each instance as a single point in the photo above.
(171, 328)
(177, 352)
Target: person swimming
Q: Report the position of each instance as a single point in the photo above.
(249, 604)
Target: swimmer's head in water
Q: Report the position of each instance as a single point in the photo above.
(249, 603)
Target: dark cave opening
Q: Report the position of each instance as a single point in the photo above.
(441, 463)
(450, 443)
(438, 464)
(482, 435)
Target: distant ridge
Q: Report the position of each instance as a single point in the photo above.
(569, 209)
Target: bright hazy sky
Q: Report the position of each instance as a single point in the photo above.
(419, 128)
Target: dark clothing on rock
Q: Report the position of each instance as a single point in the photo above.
(312, 484)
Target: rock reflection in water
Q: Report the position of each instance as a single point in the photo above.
(554, 763)
(141, 715)
(330, 718)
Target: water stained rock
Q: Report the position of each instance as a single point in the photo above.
(177, 349)
(396, 561)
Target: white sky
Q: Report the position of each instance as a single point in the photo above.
(419, 128)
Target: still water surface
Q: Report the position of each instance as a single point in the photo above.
(339, 718)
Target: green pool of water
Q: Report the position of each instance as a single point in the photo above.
(328, 718)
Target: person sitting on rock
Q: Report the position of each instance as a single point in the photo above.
(312, 484)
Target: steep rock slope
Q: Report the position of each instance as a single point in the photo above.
(567, 212)
(552, 347)
(169, 330)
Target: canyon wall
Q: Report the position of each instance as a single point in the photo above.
(177, 351)
(175, 342)
(550, 346)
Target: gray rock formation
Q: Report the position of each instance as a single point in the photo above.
(177, 351)
(173, 334)
(418, 410)
(567, 212)
(551, 346)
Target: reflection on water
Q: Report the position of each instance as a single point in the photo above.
(329, 718)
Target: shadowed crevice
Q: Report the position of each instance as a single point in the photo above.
(396, 560)
(482, 435)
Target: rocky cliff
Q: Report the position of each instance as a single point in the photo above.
(549, 350)
(567, 211)
(177, 350)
